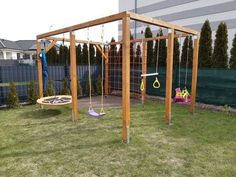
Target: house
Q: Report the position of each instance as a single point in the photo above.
(22, 50)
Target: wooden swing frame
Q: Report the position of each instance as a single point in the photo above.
(125, 17)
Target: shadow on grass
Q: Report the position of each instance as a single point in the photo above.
(41, 113)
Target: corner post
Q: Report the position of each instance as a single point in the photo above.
(126, 78)
(169, 76)
(144, 70)
(73, 75)
(40, 72)
(194, 74)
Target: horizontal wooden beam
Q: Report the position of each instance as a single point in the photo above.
(68, 40)
(161, 23)
(99, 21)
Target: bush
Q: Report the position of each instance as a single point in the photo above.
(79, 88)
(32, 93)
(87, 88)
(65, 87)
(99, 85)
(13, 99)
(50, 90)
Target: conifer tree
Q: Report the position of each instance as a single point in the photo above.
(148, 34)
(233, 53)
(52, 56)
(138, 54)
(205, 46)
(92, 54)
(99, 85)
(78, 54)
(50, 88)
(220, 55)
(98, 56)
(162, 50)
(187, 49)
(85, 54)
(13, 99)
(32, 93)
(79, 88)
(176, 56)
(65, 87)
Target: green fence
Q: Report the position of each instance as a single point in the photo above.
(215, 86)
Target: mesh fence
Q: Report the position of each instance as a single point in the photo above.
(21, 75)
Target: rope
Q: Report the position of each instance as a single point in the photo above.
(180, 59)
(90, 82)
(102, 104)
(186, 73)
(156, 83)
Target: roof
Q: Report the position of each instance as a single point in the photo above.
(25, 44)
(6, 44)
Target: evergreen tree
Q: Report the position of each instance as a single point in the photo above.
(13, 99)
(85, 54)
(233, 53)
(98, 56)
(162, 50)
(138, 54)
(113, 52)
(99, 85)
(92, 54)
(220, 55)
(176, 56)
(64, 55)
(205, 46)
(79, 88)
(187, 48)
(131, 50)
(50, 90)
(88, 87)
(78, 54)
(148, 34)
(32, 93)
(65, 87)
(52, 56)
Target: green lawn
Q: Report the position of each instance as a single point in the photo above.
(36, 142)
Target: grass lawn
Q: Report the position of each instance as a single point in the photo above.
(36, 142)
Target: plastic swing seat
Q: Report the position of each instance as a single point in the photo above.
(182, 97)
(93, 113)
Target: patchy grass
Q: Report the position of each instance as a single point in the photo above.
(46, 142)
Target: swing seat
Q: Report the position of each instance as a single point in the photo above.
(93, 113)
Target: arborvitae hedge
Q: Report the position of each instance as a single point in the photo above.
(148, 34)
(13, 99)
(220, 55)
(32, 93)
(65, 87)
(205, 46)
(233, 53)
(187, 48)
(50, 88)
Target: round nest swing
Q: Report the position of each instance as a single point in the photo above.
(56, 100)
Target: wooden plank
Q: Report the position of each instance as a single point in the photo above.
(169, 76)
(144, 70)
(100, 50)
(73, 75)
(106, 72)
(161, 23)
(40, 72)
(126, 79)
(68, 40)
(91, 23)
(50, 45)
(194, 75)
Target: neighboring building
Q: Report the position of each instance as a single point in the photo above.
(189, 13)
(23, 50)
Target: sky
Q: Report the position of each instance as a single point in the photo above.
(24, 19)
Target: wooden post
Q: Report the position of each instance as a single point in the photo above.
(194, 75)
(73, 75)
(169, 76)
(144, 69)
(106, 72)
(40, 72)
(126, 79)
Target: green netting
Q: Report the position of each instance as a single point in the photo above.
(215, 86)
